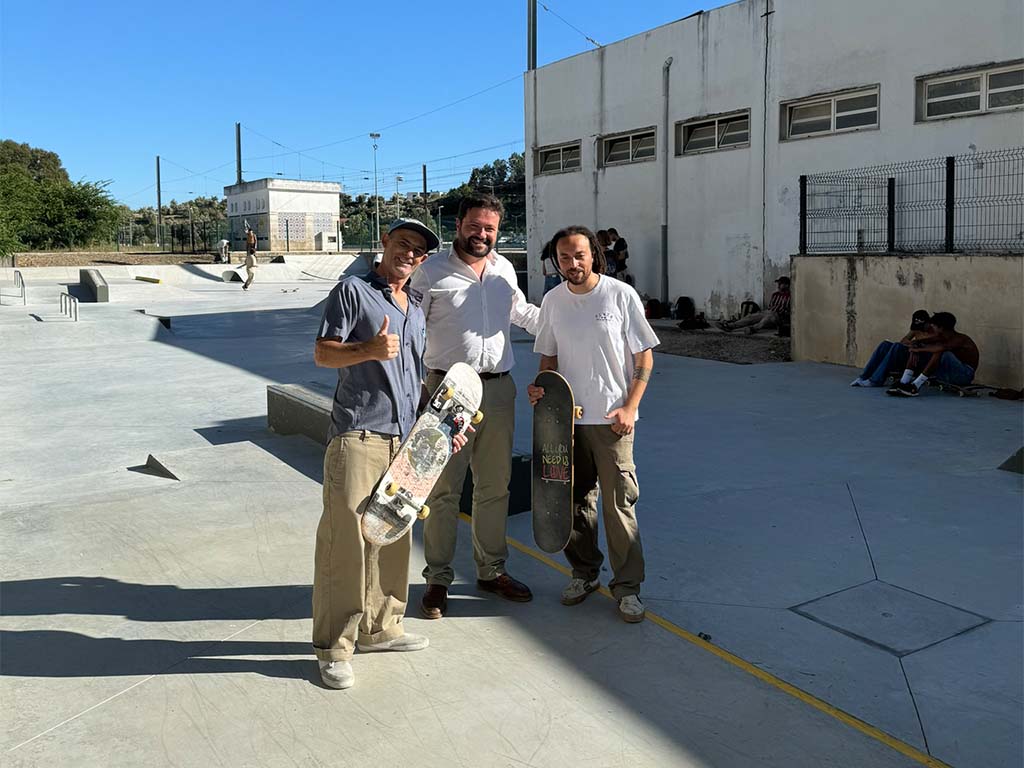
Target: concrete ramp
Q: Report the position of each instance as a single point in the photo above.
(100, 325)
(325, 266)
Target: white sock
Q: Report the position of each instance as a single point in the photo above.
(920, 381)
(908, 376)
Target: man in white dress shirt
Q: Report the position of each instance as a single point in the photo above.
(470, 298)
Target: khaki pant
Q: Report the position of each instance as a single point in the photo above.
(250, 273)
(359, 590)
(489, 453)
(603, 459)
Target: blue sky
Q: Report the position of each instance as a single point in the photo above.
(110, 85)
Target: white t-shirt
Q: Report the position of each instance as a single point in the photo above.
(595, 336)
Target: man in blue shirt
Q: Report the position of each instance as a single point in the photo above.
(374, 332)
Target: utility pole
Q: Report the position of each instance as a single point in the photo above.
(398, 198)
(238, 153)
(376, 198)
(531, 34)
(159, 215)
(424, 182)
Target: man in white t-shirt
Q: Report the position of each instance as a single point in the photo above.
(593, 331)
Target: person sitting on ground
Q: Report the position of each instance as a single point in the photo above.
(950, 357)
(892, 356)
(776, 314)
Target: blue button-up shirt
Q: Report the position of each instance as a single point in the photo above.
(378, 396)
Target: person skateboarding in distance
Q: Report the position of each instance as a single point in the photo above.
(593, 332)
(250, 257)
(373, 332)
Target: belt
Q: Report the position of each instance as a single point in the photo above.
(484, 376)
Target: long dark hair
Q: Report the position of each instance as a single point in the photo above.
(600, 264)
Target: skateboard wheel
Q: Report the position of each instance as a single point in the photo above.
(477, 417)
(448, 393)
(390, 489)
(423, 513)
(578, 412)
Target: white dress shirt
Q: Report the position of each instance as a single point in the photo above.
(468, 317)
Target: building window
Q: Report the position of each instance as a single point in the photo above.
(628, 147)
(970, 92)
(834, 113)
(705, 135)
(565, 157)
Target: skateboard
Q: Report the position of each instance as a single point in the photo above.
(400, 495)
(970, 390)
(553, 419)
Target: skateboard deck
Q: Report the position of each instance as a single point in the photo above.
(400, 495)
(553, 419)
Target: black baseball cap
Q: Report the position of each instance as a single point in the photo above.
(416, 226)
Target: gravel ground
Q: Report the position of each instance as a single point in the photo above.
(725, 347)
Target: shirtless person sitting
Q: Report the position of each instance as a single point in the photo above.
(949, 356)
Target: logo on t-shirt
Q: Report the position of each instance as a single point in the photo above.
(605, 317)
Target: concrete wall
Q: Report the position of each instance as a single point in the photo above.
(733, 213)
(844, 305)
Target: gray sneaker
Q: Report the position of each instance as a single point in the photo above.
(406, 642)
(578, 590)
(337, 674)
(631, 609)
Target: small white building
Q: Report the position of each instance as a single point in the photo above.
(759, 92)
(287, 214)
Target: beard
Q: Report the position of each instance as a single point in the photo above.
(474, 246)
(578, 276)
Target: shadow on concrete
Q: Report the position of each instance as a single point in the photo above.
(192, 269)
(54, 653)
(100, 596)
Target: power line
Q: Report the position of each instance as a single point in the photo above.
(588, 38)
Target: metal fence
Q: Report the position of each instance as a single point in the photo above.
(967, 203)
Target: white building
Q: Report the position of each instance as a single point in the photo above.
(759, 92)
(287, 215)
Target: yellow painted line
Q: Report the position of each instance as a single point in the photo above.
(766, 677)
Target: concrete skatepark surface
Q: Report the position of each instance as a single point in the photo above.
(854, 560)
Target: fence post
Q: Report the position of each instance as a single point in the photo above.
(287, 239)
(890, 213)
(950, 195)
(803, 214)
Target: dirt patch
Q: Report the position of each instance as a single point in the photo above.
(85, 259)
(724, 347)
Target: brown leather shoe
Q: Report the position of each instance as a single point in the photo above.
(507, 587)
(434, 604)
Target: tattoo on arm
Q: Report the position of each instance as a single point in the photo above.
(642, 374)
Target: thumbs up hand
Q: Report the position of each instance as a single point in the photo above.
(383, 346)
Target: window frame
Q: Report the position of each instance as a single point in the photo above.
(983, 74)
(634, 136)
(681, 127)
(831, 99)
(540, 151)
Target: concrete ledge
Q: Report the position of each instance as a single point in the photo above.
(298, 409)
(93, 280)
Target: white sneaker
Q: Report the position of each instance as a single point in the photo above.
(631, 609)
(858, 382)
(406, 642)
(337, 674)
(578, 590)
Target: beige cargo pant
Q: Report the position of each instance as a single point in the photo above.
(489, 453)
(604, 460)
(359, 590)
